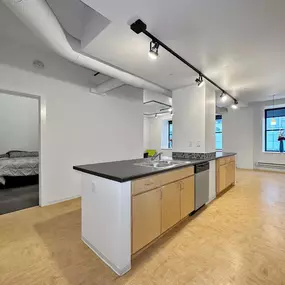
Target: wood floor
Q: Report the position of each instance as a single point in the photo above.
(237, 239)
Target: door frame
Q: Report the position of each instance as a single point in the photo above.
(41, 120)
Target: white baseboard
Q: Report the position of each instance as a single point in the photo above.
(60, 201)
(117, 270)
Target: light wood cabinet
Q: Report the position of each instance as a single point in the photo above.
(146, 218)
(171, 209)
(225, 173)
(223, 177)
(158, 203)
(146, 184)
(187, 196)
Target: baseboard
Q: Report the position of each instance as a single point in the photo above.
(119, 271)
(60, 201)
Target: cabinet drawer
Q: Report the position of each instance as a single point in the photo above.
(175, 175)
(145, 184)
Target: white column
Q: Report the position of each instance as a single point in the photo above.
(194, 119)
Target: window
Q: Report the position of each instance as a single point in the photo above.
(272, 131)
(169, 134)
(219, 132)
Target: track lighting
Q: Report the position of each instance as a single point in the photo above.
(235, 105)
(223, 97)
(153, 50)
(140, 27)
(155, 116)
(200, 81)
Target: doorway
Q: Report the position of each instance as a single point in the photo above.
(19, 151)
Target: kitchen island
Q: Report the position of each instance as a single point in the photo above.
(126, 205)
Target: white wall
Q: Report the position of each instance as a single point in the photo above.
(238, 135)
(76, 127)
(194, 111)
(19, 123)
(243, 132)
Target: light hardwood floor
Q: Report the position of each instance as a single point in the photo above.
(238, 239)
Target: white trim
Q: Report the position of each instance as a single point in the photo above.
(60, 201)
(119, 271)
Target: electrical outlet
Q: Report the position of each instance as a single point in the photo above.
(198, 144)
(190, 144)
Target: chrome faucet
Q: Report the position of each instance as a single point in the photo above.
(156, 155)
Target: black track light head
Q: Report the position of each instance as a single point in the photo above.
(199, 80)
(153, 50)
(235, 104)
(223, 97)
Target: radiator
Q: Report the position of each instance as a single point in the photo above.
(268, 165)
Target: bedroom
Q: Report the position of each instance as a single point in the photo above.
(19, 156)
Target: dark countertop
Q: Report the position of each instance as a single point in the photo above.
(126, 170)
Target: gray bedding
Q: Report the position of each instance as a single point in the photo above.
(20, 166)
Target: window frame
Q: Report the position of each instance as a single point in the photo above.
(218, 117)
(273, 130)
(169, 141)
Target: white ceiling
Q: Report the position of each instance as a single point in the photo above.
(240, 44)
(12, 28)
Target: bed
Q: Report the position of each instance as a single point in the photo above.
(18, 164)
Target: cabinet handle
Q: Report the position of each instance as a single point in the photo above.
(149, 183)
(182, 185)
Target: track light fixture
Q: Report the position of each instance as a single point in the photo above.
(153, 50)
(223, 97)
(140, 27)
(155, 116)
(235, 104)
(199, 80)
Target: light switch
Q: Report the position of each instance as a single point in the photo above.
(190, 144)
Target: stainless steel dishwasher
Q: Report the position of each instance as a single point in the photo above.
(201, 184)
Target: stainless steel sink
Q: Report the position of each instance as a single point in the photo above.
(162, 163)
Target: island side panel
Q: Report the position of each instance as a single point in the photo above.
(106, 220)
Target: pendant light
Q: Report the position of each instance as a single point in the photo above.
(273, 121)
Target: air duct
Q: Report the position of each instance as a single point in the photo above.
(37, 15)
(108, 85)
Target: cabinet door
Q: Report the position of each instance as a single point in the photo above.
(223, 177)
(187, 196)
(171, 209)
(146, 218)
(231, 170)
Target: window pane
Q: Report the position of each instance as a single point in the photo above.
(272, 131)
(170, 129)
(272, 143)
(219, 141)
(219, 127)
(219, 135)
(280, 123)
